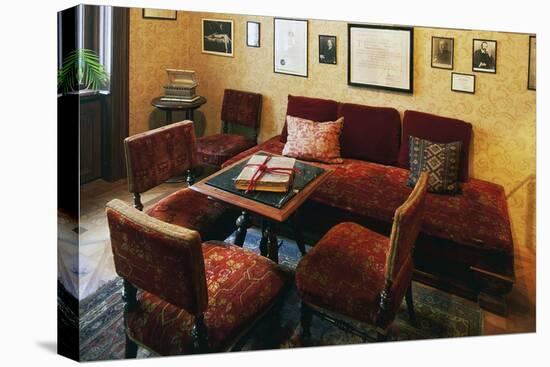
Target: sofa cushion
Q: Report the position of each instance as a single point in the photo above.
(441, 161)
(216, 149)
(312, 141)
(241, 286)
(315, 109)
(370, 133)
(437, 129)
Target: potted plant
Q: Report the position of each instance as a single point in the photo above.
(81, 69)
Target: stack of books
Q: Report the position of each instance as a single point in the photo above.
(269, 181)
(181, 87)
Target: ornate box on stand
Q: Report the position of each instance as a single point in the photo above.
(181, 87)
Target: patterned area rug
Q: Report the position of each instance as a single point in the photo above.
(439, 315)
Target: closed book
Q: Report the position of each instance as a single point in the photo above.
(269, 181)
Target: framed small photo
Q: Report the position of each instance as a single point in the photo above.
(465, 83)
(253, 34)
(532, 72)
(442, 52)
(484, 56)
(327, 49)
(290, 46)
(217, 37)
(160, 14)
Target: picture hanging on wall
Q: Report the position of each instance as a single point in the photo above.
(160, 14)
(380, 57)
(532, 73)
(253, 34)
(484, 56)
(465, 83)
(327, 49)
(442, 52)
(290, 46)
(217, 37)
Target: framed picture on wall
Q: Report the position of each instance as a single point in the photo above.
(380, 57)
(532, 71)
(217, 37)
(484, 56)
(327, 49)
(253, 34)
(442, 52)
(290, 46)
(465, 83)
(159, 14)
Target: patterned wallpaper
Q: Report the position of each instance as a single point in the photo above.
(502, 110)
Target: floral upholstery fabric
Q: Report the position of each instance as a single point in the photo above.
(440, 160)
(241, 286)
(313, 141)
(345, 272)
(241, 107)
(190, 209)
(218, 148)
(158, 257)
(154, 156)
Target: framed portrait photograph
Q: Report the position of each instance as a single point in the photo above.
(442, 52)
(217, 37)
(380, 57)
(532, 69)
(253, 34)
(465, 83)
(290, 46)
(484, 56)
(159, 14)
(327, 49)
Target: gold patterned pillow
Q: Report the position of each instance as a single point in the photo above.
(440, 160)
(313, 141)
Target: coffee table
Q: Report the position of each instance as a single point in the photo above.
(272, 208)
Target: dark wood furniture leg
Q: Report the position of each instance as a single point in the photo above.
(130, 302)
(200, 335)
(305, 322)
(263, 240)
(410, 305)
(297, 229)
(273, 246)
(243, 223)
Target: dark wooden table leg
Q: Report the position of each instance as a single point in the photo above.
(263, 240)
(168, 117)
(296, 227)
(243, 223)
(273, 246)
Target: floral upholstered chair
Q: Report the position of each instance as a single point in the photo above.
(354, 273)
(193, 297)
(153, 157)
(238, 108)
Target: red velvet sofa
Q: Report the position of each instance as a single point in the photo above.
(465, 245)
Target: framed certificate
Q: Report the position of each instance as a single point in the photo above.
(463, 83)
(380, 57)
(290, 46)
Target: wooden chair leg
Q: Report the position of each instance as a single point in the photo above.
(131, 348)
(306, 317)
(410, 305)
(200, 335)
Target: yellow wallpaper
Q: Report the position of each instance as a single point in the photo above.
(502, 110)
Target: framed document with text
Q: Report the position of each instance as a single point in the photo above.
(290, 46)
(380, 57)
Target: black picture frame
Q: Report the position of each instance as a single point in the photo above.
(473, 91)
(149, 13)
(437, 59)
(532, 64)
(409, 33)
(305, 47)
(214, 30)
(477, 60)
(325, 55)
(248, 44)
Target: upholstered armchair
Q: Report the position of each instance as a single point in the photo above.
(238, 108)
(354, 273)
(183, 296)
(153, 157)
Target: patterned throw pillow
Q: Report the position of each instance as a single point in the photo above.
(441, 161)
(313, 141)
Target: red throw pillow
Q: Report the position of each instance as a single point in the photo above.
(314, 109)
(313, 141)
(437, 129)
(370, 133)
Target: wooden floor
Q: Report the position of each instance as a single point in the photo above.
(94, 196)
